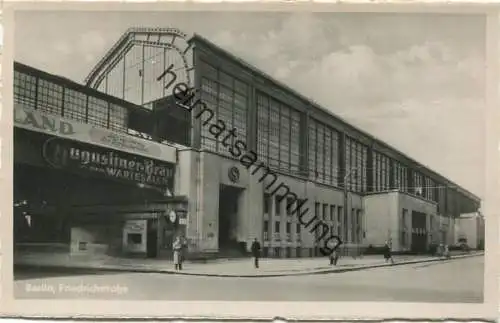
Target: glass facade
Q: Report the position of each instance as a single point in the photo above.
(381, 171)
(33, 90)
(356, 160)
(135, 75)
(278, 134)
(227, 98)
(323, 155)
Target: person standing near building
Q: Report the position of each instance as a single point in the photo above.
(334, 257)
(256, 252)
(177, 248)
(446, 252)
(388, 252)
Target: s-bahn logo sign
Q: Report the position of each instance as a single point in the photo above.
(234, 174)
(94, 160)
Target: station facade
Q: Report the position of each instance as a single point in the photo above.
(366, 191)
(81, 183)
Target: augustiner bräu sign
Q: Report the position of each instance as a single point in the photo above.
(95, 160)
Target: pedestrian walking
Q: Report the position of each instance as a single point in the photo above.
(446, 252)
(256, 252)
(334, 257)
(177, 247)
(388, 253)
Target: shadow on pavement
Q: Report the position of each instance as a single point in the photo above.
(22, 272)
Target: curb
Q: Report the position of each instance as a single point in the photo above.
(302, 273)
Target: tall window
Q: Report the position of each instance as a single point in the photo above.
(227, 98)
(400, 176)
(266, 230)
(430, 189)
(277, 204)
(274, 134)
(323, 153)
(437, 194)
(267, 203)
(325, 212)
(381, 169)
(418, 183)
(277, 227)
(289, 207)
(441, 198)
(154, 66)
(114, 80)
(356, 157)
(278, 134)
(134, 75)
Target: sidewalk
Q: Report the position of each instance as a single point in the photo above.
(269, 267)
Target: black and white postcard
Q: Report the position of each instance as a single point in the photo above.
(252, 161)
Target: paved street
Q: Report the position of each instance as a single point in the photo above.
(459, 280)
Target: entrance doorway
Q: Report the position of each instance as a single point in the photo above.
(152, 238)
(228, 216)
(419, 232)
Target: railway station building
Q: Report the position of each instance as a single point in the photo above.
(120, 166)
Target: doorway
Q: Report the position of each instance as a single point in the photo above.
(419, 232)
(152, 238)
(228, 216)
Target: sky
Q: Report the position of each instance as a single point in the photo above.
(415, 81)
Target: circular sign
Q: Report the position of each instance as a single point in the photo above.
(55, 153)
(172, 216)
(234, 174)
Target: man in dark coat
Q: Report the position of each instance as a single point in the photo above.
(256, 252)
(388, 252)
